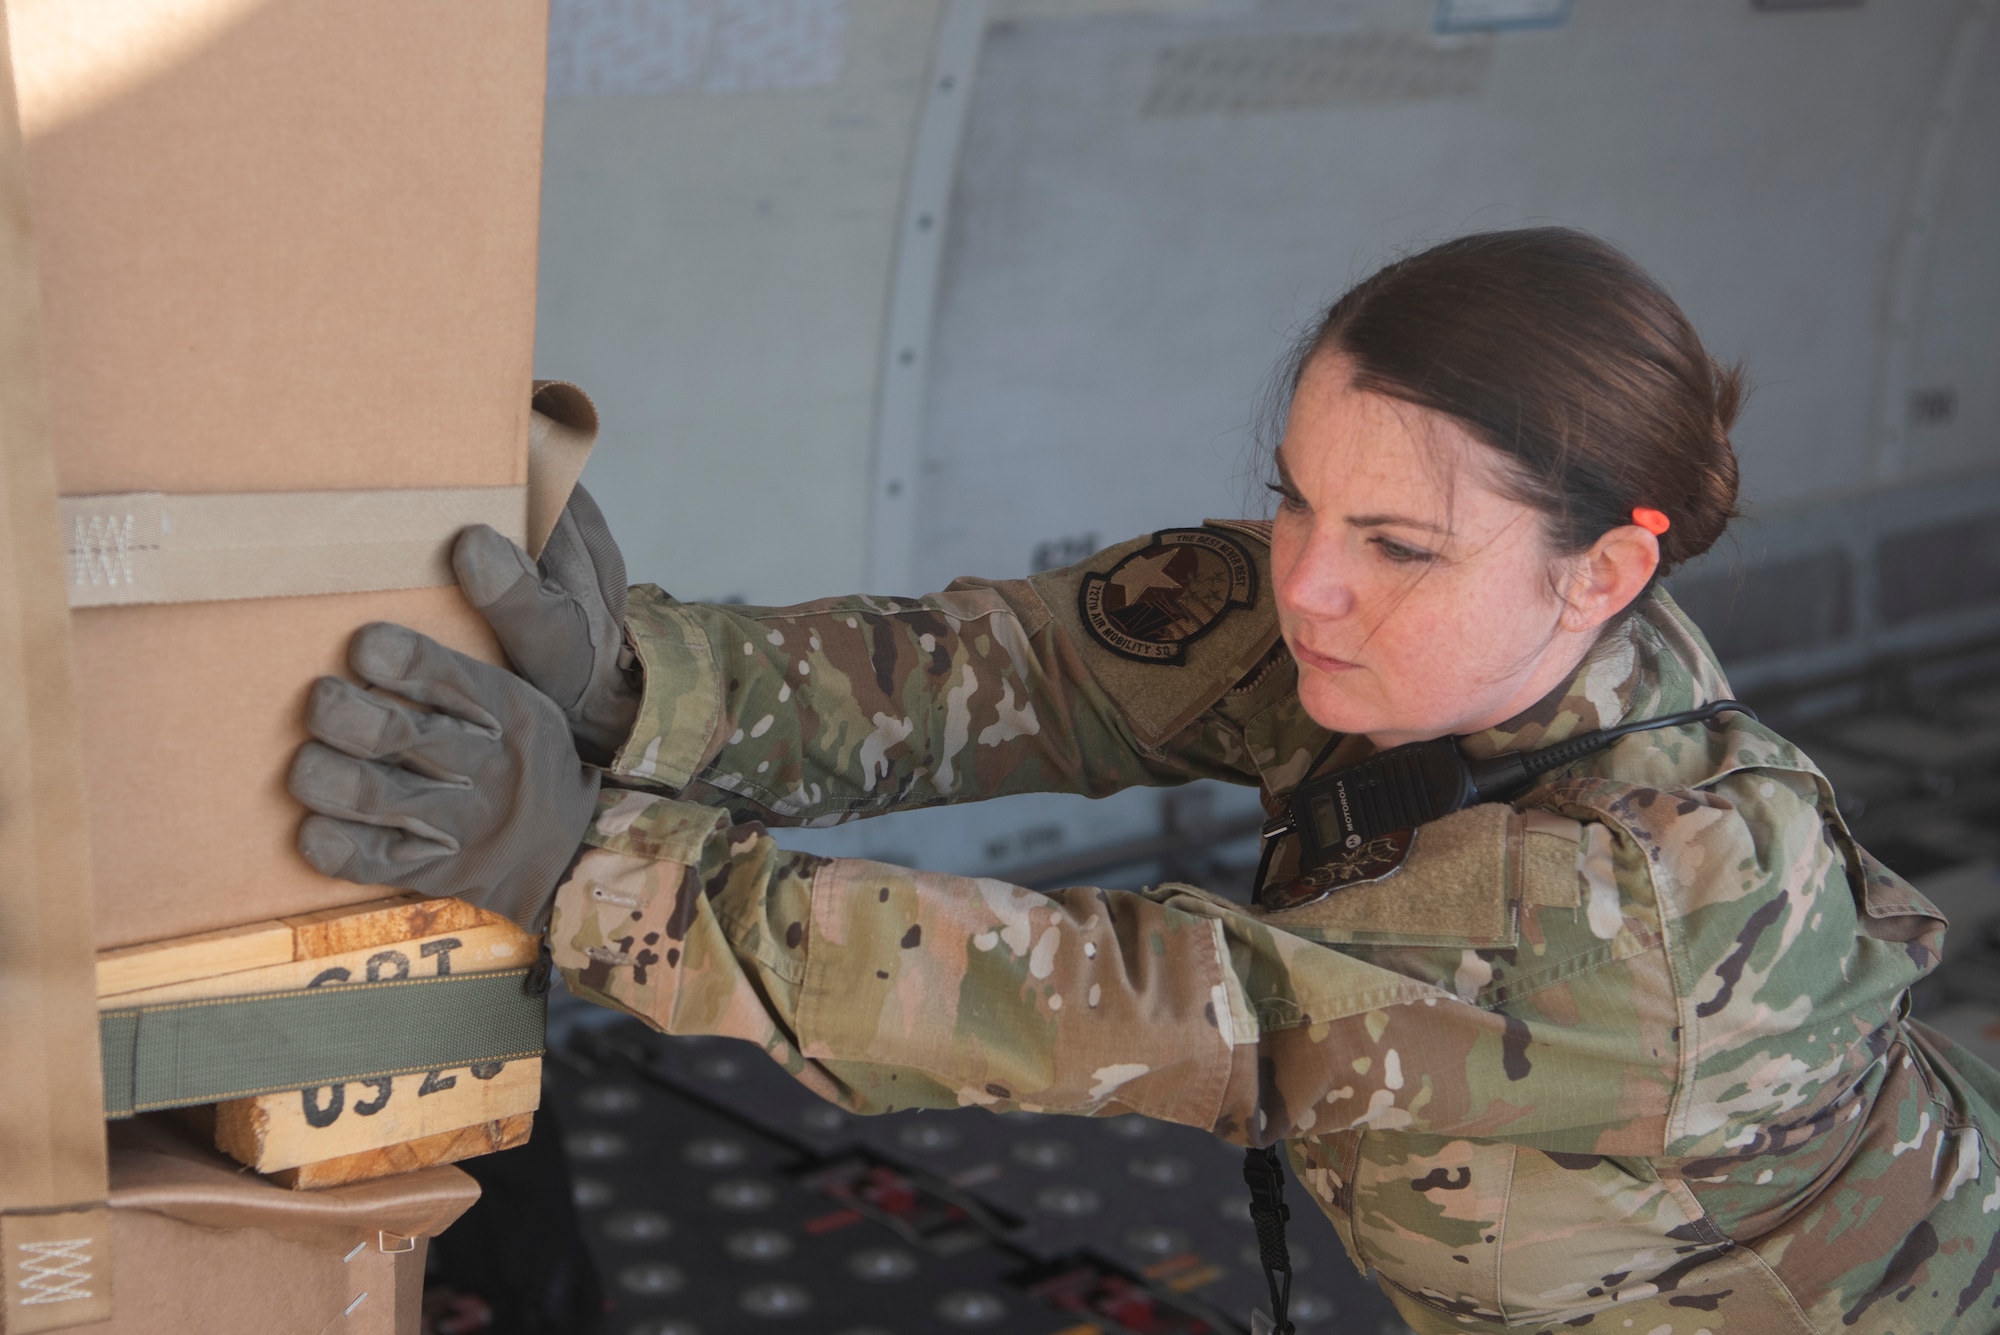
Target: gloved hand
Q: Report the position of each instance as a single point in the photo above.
(482, 796)
(562, 622)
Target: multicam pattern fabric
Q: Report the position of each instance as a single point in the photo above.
(1628, 1055)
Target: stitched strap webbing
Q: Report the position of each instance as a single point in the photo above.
(151, 547)
(146, 547)
(51, 1149)
(190, 1052)
(55, 1234)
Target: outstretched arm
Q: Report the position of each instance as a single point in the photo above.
(854, 706)
(884, 988)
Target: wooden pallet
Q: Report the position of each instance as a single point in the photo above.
(362, 1129)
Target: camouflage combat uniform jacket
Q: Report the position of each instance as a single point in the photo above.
(1628, 1054)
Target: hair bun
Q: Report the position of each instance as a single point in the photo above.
(1712, 503)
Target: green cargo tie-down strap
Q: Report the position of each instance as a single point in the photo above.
(189, 1052)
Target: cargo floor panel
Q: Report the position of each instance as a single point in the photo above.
(719, 1193)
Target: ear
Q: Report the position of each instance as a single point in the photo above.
(1605, 579)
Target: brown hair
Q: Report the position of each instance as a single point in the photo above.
(1555, 349)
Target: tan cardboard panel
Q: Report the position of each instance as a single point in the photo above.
(193, 713)
(163, 1164)
(173, 1278)
(201, 1247)
(297, 255)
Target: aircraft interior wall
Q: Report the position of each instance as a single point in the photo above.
(883, 292)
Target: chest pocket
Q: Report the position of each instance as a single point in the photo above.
(1465, 881)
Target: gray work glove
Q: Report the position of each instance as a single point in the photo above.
(480, 796)
(562, 621)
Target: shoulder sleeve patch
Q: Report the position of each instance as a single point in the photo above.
(1167, 624)
(1157, 601)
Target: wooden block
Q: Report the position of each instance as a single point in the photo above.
(446, 1147)
(130, 968)
(382, 922)
(478, 950)
(278, 1131)
(362, 1129)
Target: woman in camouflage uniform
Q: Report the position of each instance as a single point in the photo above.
(1629, 1053)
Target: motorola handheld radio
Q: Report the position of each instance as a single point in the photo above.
(1409, 785)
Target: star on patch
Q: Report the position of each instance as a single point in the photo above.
(1165, 596)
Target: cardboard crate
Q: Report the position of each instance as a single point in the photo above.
(284, 247)
(283, 256)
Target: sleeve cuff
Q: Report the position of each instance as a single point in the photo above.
(619, 919)
(678, 714)
(646, 825)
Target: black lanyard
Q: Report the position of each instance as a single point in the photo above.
(1391, 794)
(1395, 791)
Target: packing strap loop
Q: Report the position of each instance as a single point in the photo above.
(188, 1052)
(147, 547)
(127, 548)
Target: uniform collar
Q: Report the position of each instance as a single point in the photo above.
(1652, 662)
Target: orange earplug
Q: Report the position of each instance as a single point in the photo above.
(1652, 521)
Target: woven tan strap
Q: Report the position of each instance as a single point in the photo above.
(146, 547)
(55, 1234)
(152, 547)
